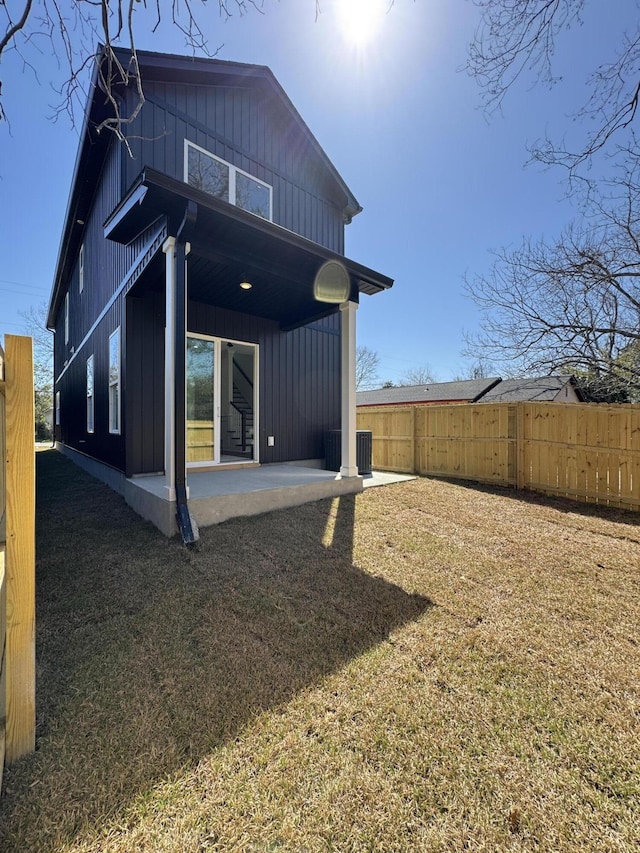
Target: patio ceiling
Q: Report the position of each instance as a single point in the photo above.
(229, 245)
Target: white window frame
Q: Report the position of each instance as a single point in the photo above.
(81, 269)
(114, 411)
(90, 396)
(233, 171)
(66, 318)
(57, 423)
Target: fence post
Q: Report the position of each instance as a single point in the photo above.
(3, 609)
(520, 446)
(20, 554)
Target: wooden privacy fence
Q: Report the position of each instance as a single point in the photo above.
(584, 451)
(17, 551)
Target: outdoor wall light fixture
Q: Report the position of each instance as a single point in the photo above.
(331, 283)
(245, 285)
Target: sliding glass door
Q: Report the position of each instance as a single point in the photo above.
(221, 401)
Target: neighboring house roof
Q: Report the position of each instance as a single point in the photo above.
(493, 390)
(463, 391)
(534, 389)
(93, 147)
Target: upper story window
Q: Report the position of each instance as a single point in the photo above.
(66, 318)
(81, 269)
(222, 180)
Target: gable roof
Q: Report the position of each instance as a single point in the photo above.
(163, 67)
(464, 390)
(93, 147)
(533, 389)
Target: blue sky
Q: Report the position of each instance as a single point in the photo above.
(439, 183)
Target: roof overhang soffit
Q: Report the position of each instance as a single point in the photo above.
(228, 244)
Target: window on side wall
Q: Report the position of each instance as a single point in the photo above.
(215, 176)
(90, 403)
(57, 408)
(81, 269)
(114, 382)
(66, 318)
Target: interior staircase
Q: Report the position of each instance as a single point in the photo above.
(240, 432)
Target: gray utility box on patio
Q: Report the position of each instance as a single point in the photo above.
(333, 450)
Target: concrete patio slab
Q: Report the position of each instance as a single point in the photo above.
(216, 496)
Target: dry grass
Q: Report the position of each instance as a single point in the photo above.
(426, 667)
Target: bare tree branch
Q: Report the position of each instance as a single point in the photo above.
(574, 303)
(35, 325)
(367, 366)
(421, 375)
(516, 39)
(72, 31)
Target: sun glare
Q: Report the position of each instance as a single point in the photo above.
(361, 20)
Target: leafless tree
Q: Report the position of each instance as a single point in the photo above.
(478, 368)
(367, 366)
(572, 304)
(421, 375)
(72, 32)
(518, 40)
(35, 325)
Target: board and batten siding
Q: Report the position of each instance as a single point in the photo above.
(106, 266)
(250, 130)
(248, 126)
(299, 380)
(101, 444)
(299, 375)
(105, 262)
(143, 378)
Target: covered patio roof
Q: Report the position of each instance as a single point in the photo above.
(230, 245)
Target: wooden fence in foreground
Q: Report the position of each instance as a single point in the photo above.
(579, 450)
(17, 551)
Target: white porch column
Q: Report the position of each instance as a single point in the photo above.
(169, 365)
(348, 370)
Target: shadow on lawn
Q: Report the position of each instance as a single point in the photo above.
(570, 506)
(151, 656)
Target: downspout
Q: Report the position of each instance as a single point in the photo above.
(186, 524)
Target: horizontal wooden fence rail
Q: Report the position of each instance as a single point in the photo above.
(17, 550)
(583, 451)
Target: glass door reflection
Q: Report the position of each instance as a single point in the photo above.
(201, 402)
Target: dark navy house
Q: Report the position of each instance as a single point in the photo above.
(203, 309)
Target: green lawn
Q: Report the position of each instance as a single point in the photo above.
(428, 666)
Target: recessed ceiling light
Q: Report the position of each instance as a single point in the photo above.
(246, 285)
